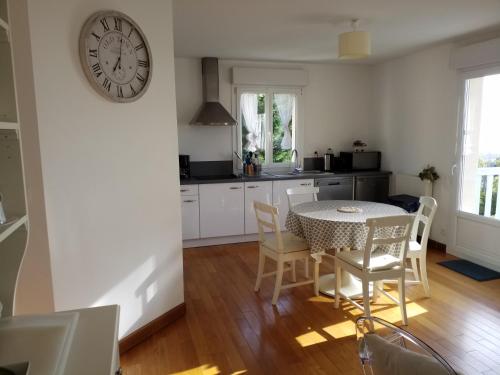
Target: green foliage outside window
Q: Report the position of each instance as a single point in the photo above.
(279, 155)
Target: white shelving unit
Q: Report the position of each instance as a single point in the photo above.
(9, 126)
(14, 233)
(11, 226)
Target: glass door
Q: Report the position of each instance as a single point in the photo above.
(477, 219)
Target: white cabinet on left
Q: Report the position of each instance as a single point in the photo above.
(190, 212)
(222, 210)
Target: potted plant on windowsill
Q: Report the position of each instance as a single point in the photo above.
(429, 175)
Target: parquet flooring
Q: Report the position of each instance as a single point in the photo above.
(229, 329)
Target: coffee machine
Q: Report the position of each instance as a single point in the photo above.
(184, 166)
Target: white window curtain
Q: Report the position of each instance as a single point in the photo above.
(285, 103)
(249, 110)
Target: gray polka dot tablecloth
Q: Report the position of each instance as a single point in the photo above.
(324, 227)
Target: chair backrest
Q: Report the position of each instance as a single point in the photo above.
(391, 231)
(267, 217)
(424, 215)
(395, 335)
(301, 194)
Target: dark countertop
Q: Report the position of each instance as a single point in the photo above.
(275, 176)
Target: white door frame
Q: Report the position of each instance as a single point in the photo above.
(457, 167)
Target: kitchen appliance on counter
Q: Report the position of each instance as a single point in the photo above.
(329, 159)
(184, 167)
(335, 188)
(360, 161)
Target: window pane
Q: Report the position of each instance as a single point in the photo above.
(253, 124)
(481, 149)
(283, 127)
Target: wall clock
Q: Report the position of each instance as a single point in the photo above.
(115, 56)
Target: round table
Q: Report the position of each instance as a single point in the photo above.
(325, 227)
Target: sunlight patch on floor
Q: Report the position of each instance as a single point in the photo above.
(342, 329)
(310, 338)
(320, 299)
(201, 370)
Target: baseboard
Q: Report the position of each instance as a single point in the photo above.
(476, 256)
(151, 328)
(436, 245)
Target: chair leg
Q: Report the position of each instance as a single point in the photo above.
(415, 268)
(402, 300)
(425, 280)
(279, 280)
(306, 267)
(260, 270)
(294, 274)
(316, 277)
(366, 297)
(338, 281)
(376, 293)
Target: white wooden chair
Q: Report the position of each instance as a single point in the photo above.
(281, 247)
(418, 251)
(374, 264)
(301, 194)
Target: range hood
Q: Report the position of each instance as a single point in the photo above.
(211, 113)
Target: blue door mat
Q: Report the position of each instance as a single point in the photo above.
(472, 270)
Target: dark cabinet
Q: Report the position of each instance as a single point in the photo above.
(371, 188)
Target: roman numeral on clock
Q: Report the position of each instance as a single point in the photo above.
(131, 31)
(138, 47)
(106, 84)
(118, 24)
(96, 68)
(143, 63)
(93, 53)
(119, 91)
(104, 24)
(133, 91)
(140, 78)
(98, 38)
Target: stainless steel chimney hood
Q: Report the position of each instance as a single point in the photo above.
(211, 113)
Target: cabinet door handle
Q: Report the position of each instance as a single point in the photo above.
(252, 187)
(189, 201)
(333, 183)
(184, 190)
(235, 187)
(306, 184)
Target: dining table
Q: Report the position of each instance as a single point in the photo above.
(337, 225)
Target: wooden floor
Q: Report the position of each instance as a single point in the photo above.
(229, 329)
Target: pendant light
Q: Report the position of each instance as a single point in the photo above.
(354, 44)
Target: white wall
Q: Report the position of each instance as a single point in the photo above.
(416, 106)
(337, 107)
(109, 170)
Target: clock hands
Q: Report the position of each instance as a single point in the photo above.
(119, 60)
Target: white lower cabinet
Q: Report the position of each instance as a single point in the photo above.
(190, 217)
(280, 199)
(256, 191)
(222, 210)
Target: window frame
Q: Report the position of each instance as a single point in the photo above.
(297, 134)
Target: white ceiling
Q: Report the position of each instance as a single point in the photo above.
(307, 30)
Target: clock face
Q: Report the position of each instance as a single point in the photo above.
(115, 56)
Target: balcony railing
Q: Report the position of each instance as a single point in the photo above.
(486, 183)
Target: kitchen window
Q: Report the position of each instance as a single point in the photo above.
(268, 124)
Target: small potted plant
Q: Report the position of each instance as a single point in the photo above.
(359, 145)
(428, 175)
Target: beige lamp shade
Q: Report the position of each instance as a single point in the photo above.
(354, 45)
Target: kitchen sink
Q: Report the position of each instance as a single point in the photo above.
(42, 340)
